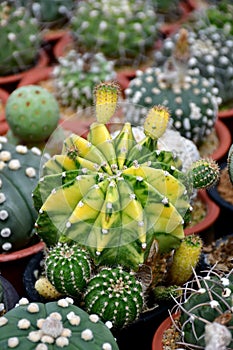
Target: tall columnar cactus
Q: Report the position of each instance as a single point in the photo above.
(122, 30)
(32, 113)
(68, 269)
(189, 96)
(53, 325)
(206, 312)
(76, 76)
(113, 195)
(19, 174)
(115, 295)
(211, 54)
(20, 39)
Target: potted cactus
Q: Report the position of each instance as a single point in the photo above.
(203, 315)
(21, 39)
(122, 30)
(123, 206)
(53, 325)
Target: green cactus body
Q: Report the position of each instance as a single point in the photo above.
(115, 295)
(19, 174)
(76, 75)
(32, 113)
(230, 163)
(20, 38)
(126, 29)
(68, 269)
(53, 325)
(209, 300)
(191, 102)
(204, 173)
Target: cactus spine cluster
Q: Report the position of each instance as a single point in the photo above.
(19, 174)
(126, 29)
(76, 75)
(190, 97)
(53, 325)
(20, 38)
(205, 306)
(32, 113)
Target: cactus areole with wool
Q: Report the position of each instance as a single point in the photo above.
(116, 196)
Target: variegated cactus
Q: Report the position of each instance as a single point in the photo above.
(116, 196)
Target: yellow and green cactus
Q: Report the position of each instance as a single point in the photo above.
(114, 195)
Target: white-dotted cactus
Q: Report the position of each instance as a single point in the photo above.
(55, 325)
(19, 173)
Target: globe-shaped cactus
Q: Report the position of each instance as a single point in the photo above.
(32, 113)
(54, 325)
(76, 75)
(19, 174)
(191, 98)
(122, 30)
(115, 196)
(20, 38)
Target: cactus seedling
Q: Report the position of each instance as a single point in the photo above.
(32, 113)
(53, 325)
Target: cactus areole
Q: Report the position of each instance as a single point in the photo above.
(115, 196)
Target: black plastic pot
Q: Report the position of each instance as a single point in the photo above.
(10, 295)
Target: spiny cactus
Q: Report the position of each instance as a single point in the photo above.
(76, 75)
(20, 39)
(230, 163)
(68, 269)
(210, 53)
(116, 196)
(189, 96)
(204, 173)
(53, 325)
(115, 295)
(122, 30)
(32, 113)
(19, 174)
(206, 312)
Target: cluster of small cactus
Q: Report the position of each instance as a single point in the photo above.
(211, 54)
(124, 202)
(126, 29)
(53, 325)
(20, 39)
(49, 13)
(191, 98)
(76, 75)
(19, 174)
(206, 311)
(32, 113)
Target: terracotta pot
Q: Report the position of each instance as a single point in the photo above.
(63, 45)
(205, 227)
(37, 75)
(15, 78)
(226, 116)
(158, 335)
(225, 141)
(54, 35)
(12, 265)
(3, 124)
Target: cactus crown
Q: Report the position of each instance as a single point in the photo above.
(126, 29)
(53, 325)
(205, 306)
(20, 38)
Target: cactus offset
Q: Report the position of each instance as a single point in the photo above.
(19, 174)
(68, 269)
(46, 289)
(206, 304)
(204, 173)
(32, 114)
(115, 295)
(20, 38)
(53, 325)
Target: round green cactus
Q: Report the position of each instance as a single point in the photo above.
(19, 174)
(207, 300)
(20, 38)
(68, 268)
(53, 325)
(76, 76)
(126, 29)
(188, 96)
(32, 113)
(116, 195)
(115, 295)
(204, 173)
